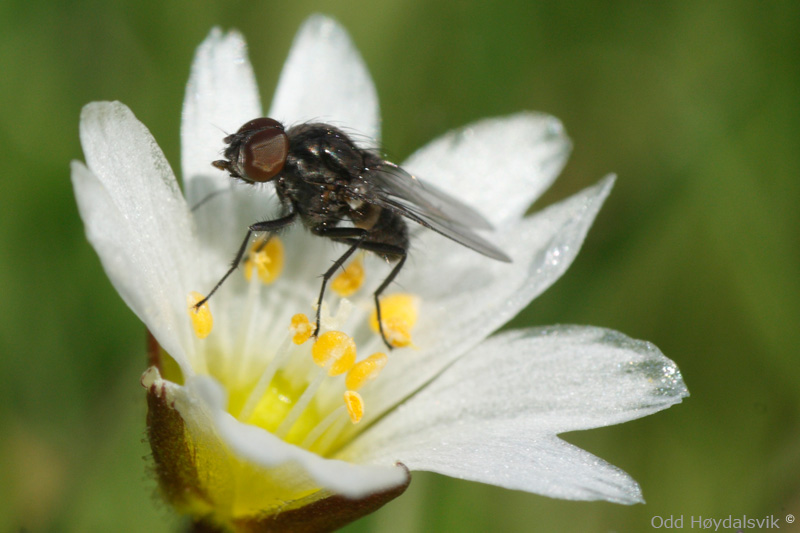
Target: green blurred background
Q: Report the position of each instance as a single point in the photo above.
(693, 104)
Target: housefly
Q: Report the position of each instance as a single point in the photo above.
(323, 178)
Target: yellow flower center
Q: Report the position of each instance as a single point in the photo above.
(291, 396)
(306, 393)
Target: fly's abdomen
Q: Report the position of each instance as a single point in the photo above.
(390, 229)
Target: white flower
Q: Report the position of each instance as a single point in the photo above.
(459, 403)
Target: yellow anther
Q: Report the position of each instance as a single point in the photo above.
(354, 404)
(350, 279)
(365, 370)
(201, 318)
(336, 349)
(265, 259)
(300, 328)
(399, 314)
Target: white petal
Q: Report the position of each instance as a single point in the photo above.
(466, 297)
(221, 96)
(127, 201)
(290, 465)
(325, 80)
(545, 465)
(498, 166)
(125, 260)
(491, 416)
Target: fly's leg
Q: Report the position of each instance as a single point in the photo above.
(390, 251)
(263, 244)
(353, 236)
(258, 227)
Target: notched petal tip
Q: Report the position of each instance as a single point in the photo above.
(325, 79)
(97, 118)
(637, 378)
(664, 375)
(215, 34)
(321, 26)
(221, 95)
(218, 38)
(100, 107)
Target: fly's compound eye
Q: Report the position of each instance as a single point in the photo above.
(260, 124)
(264, 153)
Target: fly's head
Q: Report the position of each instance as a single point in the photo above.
(257, 152)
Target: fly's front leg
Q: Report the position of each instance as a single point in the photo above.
(258, 227)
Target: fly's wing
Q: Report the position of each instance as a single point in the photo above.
(393, 188)
(397, 185)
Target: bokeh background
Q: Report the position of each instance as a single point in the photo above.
(693, 104)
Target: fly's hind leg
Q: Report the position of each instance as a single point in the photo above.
(356, 238)
(392, 252)
(352, 236)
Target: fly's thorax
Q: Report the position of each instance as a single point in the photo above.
(321, 166)
(321, 153)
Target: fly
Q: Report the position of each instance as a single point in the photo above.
(323, 178)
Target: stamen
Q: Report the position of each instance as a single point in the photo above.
(281, 356)
(399, 315)
(266, 258)
(201, 318)
(248, 335)
(365, 370)
(339, 318)
(328, 440)
(320, 428)
(350, 279)
(334, 350)
(355, 405)
(300, 406)
(301, 328)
